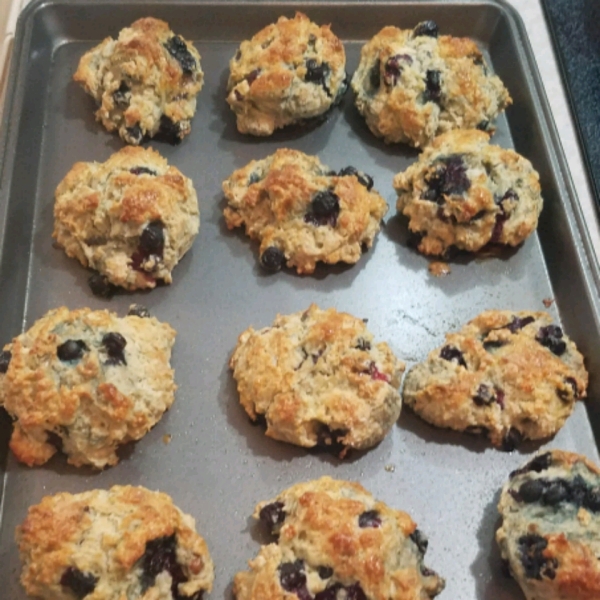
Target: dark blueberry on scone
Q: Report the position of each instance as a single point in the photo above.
(549, 536)
(303, 213)
(319, 380)
(125, 542)
(497, 375)
(324, 551)
(145, 82)
(84, 382)
(290, 71)
(464, 193)
(131, 218)
(414, 84)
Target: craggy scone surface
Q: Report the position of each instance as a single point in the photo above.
(336, 541)
(509, 375)
(145, 82)
(317, 378)
(85, 381)
(131, 218)
(550, 533)
(301, 212)
(122, 543)
(464, 192)
(288, 72)
(412, 85)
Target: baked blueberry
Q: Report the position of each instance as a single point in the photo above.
(272, 515)
(114, 343)
(428, 28)
(550, 336)
(137, 310)
(370, 518)
(272, 259)
(81, 584)
(451, 353)
(101, 286)
(5, 357)
(179, 51)
(71, 350)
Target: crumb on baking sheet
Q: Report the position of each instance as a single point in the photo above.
(390, 468)
(548, 302)
(167, 438)
(439, 268)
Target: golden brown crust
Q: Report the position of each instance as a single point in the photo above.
(322, 527)
(465, 193)
(270, 85)
(146, 76)
(551, 542)
(495, 377)
(92, 403)
(101, 211)
(104, 535)
(318, 377)
(411, 88)
(273, 198)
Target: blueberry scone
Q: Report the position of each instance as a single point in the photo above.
(318, 379)
(85, 382)
(290, 71)
(465, 193)
(412, 85)
(335, 541)
(302, 212)
(509, 375)
(130, 218)
(550, 533)
(122, 543)
(145, 82)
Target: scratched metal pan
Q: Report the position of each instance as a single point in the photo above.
(218, 465)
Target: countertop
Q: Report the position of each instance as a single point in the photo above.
(532, 14)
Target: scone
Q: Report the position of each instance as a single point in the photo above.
(130, 218)
(335, 541)
(290, 71)
(465, 193)
(122, 543)
(85, 382)
(145, 82)
(318, 379)
(412, 85)
(301, 212)
(508, 375)
(550, 533)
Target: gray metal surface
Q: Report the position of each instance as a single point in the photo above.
(218, 465)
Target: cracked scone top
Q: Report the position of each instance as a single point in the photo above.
(301, 212)
(130, 218)
(336, 541)
(509, 375)
(412, 85)
(550, 532)
(145, 82)
(318, 379)
(125, 542)
(85, 381)
(464, 193)
(290, 71)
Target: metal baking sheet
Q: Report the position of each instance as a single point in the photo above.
(218, 465)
